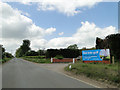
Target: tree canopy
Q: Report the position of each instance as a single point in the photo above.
(112, 42)
(74, 46)
(31, 53)
(66, 53)
(4, 54)
(24, 48)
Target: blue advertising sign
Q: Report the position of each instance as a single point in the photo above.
(95, 55)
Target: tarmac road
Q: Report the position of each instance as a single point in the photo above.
(18, 73)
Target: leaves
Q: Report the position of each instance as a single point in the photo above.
(112, 42)
(25, 47)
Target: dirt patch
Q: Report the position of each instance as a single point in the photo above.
(57, 67)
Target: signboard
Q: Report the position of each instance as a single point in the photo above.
(96, 55)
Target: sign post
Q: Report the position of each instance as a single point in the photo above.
(51, 60)
(113, 61)
(73, 60)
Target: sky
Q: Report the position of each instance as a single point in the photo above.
(56, 24)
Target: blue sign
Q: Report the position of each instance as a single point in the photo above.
(95, 55)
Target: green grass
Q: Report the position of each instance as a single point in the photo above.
(104, 72)
(37, 59)
(5, 60)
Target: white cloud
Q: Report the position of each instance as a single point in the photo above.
(15, 27)
(61, 42)
(28, 1)
(61, 33)
(50, 30)
(25, 13)
(36, 31)
(68, 7)
(10, 44)
(38, 43)
(84, 37)
(25, 2)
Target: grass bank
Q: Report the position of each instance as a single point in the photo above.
(37, 59)
(5, 60)
(102, 72)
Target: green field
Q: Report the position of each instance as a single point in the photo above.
(37, 59)
(101, 72)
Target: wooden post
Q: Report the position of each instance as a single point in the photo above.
(70, 67)
(51, 60)
(113, 61)
(73, 60)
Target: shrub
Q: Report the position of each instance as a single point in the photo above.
(31, 53)
(59, 57)
(66, 53)
(116, 79)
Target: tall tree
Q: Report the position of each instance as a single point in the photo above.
(41, 52)
(2, 51)
(74, 46)
(18, 52)
(8, 55)
(24, 48)
(4, 54)
(112, 42)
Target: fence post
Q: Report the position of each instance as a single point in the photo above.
(51, 60)
(73, 60)
(113, 61)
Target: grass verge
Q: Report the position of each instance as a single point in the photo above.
(36, 59)
(102, 72)
(5, 60)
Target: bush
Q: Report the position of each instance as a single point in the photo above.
(8, 55)
(37, 59)
(59, 57)
(66, 53)
(5, 60)
(31, 53)
(116, 79)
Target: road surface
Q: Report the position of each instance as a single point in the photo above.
(18, 73)
(0, 76)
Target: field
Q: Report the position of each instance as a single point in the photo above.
(102, 72)
(37, 59)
